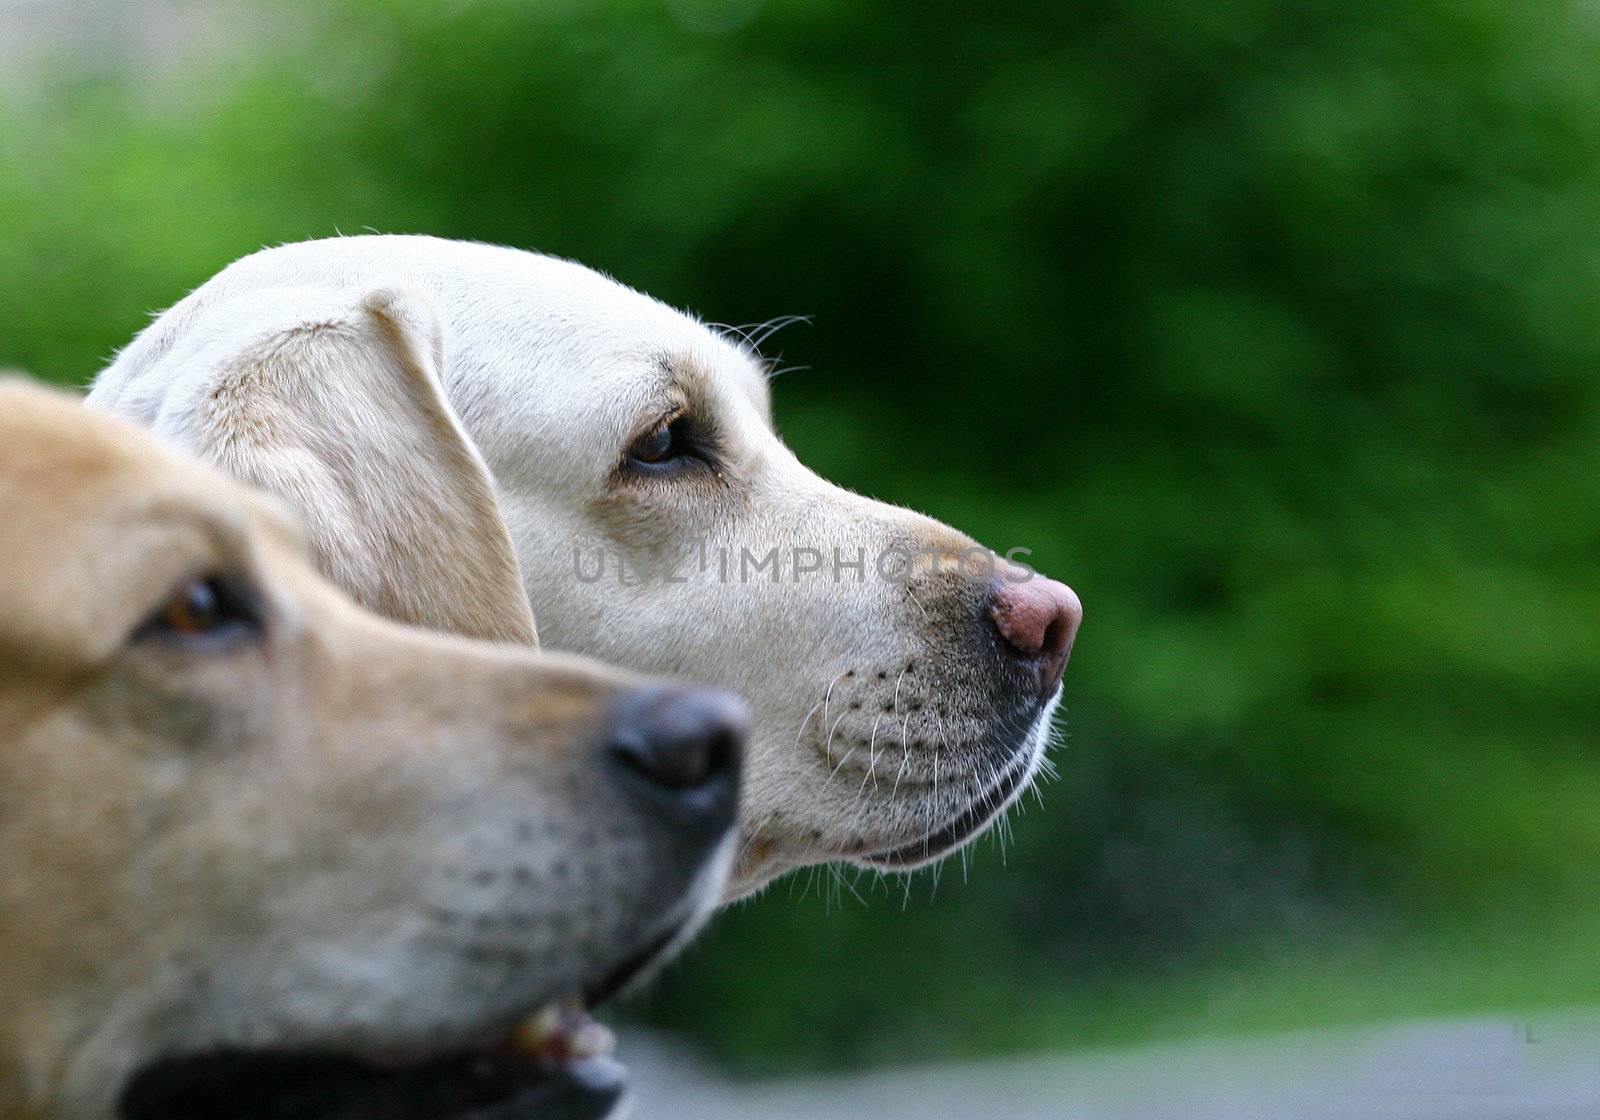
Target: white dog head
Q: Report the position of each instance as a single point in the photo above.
(902, 679)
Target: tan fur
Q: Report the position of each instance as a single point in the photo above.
(253, 847)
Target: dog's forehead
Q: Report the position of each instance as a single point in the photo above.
(58, 462)
(623, 337)
(96, 517)
(537, 349)
(705, 362)
(719, 372)
(571, 359)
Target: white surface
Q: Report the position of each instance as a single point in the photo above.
(1543, 1068)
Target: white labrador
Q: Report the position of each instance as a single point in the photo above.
(902, 688)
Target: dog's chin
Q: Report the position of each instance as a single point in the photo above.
(757, 870)
(971, 821)
(764, 860)
(555, 1064)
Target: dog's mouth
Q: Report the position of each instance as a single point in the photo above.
(971, 821)
(567, 1074)
(556, 1064)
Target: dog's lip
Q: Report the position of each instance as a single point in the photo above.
(622, 977)
(967, 824)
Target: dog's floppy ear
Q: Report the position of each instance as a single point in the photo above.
(339, 410)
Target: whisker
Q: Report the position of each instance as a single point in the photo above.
(828, 748)
(905, 759)
(760, 333)
(912, 596)
(872, 757)
(843, 760)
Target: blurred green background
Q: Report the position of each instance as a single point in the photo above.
(1271, 326)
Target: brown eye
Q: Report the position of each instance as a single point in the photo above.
(211, 613)
(668, 447)
(195, 609)
(675, 447)
(657, 445)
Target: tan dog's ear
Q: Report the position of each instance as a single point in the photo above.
(340, 412)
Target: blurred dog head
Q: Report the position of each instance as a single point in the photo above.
(902, 679)
(256, 842)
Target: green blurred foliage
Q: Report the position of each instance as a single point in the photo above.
(1271, 325)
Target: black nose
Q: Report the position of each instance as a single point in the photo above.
(681, 749)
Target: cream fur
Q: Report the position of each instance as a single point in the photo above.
(883, 712)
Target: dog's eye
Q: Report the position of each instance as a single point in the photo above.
(662, 444)
(215, 612)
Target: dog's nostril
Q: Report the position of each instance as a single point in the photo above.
(681, 740)
(1039, 619)
(1059, 632)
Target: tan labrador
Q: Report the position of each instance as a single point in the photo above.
(264, 854)
(902, 679)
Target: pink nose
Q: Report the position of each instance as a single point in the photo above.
(1038, 618)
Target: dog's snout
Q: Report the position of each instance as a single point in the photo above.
(1038, 618)
(682, 749)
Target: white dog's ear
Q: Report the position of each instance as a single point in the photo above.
(340, 411)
